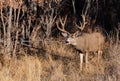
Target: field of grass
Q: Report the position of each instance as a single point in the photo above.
(59, 62)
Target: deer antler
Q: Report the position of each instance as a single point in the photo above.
(62, 22)
(82, 25)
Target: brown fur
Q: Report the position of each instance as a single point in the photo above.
(89, 42)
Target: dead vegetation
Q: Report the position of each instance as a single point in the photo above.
(61, 63)
(32, 49)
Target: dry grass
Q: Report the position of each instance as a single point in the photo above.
(25, 69)
(59, 48)
(61, 63)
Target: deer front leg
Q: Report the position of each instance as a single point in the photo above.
(81, 61)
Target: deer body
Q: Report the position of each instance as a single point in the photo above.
(88, 42)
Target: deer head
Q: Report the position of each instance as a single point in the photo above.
(71, 38)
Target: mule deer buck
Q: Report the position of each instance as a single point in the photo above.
(85, 42)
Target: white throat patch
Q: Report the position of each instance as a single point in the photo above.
(71, 41)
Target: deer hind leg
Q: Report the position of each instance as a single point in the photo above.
(86, 59)
(99, 55)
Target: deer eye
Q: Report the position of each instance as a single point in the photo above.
(69, 39)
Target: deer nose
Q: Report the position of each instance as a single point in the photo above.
(67, 42)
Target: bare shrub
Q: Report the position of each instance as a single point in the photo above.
(112, 58)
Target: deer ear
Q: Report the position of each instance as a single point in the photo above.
(65, 34)
(79, 34)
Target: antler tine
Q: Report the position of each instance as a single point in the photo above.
(82, 25)
(75, 34)
(78, 26)
(61, 29)
(62, 22)
(84, 22)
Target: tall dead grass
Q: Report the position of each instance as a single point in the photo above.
(62, 63)
(26, 69)
(112, 58)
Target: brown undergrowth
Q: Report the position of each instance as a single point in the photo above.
(60, 62)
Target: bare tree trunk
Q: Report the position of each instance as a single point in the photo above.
(9, 43)
(0, 34)
(15, 45)
(34, 36)
(4, 31)
(16, 36)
